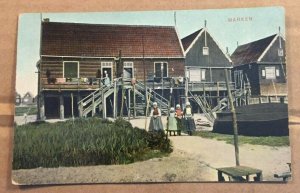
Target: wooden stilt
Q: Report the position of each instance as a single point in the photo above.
(115, 100)
(134, 102)
(42, 107)
(72, 105)
(94, 106)
(128, 102)
(80, 108)
(61, 107)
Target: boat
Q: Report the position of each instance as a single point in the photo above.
(267, 119)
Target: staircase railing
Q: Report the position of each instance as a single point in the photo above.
(90, 102)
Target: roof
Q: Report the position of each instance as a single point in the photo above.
(102, 40)
(251, 52)
(188, 40)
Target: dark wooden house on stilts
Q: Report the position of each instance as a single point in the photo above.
(205, 66)
(88, 69)
(263, 63)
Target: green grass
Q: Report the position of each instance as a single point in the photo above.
(29, 110)
(269, 141)
(83, 142)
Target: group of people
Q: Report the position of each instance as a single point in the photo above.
(178, 119)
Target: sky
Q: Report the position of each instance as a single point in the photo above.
(261, 22)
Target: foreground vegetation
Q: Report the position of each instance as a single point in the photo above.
(269, 141)
(29, 110)
(81, 142)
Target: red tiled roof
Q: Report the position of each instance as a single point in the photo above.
(99, 40)
(250, 52)
(187, 41)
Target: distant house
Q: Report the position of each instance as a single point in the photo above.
(28, 99)
(18, 99)
(73, 55)
(263, 64)
(205, 60)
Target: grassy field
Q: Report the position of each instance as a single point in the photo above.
(29, 110)
(83, 142)
(269, 141)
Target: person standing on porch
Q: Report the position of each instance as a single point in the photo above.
(178, 116)
(188, 119)
(155, 121)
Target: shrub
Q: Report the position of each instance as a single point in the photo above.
(80, 142)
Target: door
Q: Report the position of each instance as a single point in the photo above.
(106, 69)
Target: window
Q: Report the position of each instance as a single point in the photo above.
(196, 75)
(280, 52)
(203, 74)
(263, 73)
(161, 69)
(71, 69)
(270, 73)
(128, 70)
(106, 69)
(205, 51)
(277, 72)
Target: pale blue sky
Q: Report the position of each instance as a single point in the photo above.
(265, 22)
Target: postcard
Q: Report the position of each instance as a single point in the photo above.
(152, 96)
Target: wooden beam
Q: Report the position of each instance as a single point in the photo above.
(61, 107)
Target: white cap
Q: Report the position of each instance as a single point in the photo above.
(155, 104)
(178, 106)
(188, 103)
(172, 109)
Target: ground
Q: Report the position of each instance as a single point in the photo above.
(193, 159)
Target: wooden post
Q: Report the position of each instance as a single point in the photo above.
(103, 105)
(115, 100)
(61, 107)
(72, 105)
(134, 102)
(94, 106)
(80, 107)
(234, 121)
(42, 107)
(129, 107)
(218, 93)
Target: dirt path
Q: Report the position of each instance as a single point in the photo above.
(194, 159)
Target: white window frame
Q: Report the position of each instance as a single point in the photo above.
(203, 74)
(106, 64)
(78, 66)
(205, 51)
(129, 64)
(161, 62)
(277, 72)
(270, 72)
(263, 73)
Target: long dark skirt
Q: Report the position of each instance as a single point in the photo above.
(189, 124)
(155, 124)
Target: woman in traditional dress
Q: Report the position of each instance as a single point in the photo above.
(178, 116)
(172, 122)
(188, 119)
(155, 121)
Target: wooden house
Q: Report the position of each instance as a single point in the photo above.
(205, 60)
(28, 99)
(76, 57)
(205, 64)
(263, 64)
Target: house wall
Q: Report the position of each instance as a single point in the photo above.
(88, 67)
(250, 71)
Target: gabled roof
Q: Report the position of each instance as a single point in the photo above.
(102, 40)
(190, 40)
(253, 51)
